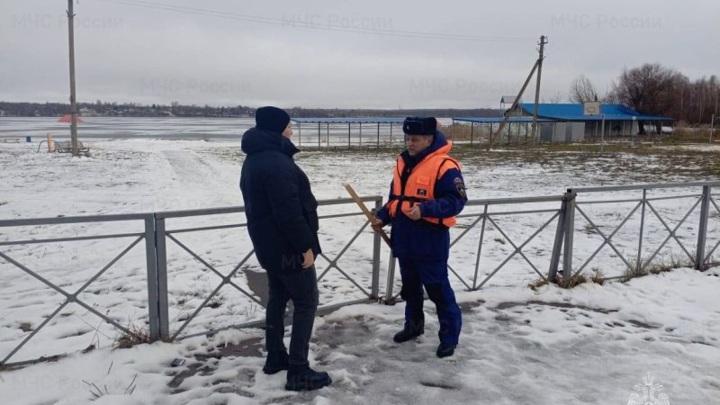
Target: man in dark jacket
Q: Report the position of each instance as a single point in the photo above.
(282, 222)
(426, 194)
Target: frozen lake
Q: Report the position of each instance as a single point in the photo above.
(127, 127)
(175, 128)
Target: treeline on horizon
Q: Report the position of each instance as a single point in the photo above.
(106, 109)
(654, 89)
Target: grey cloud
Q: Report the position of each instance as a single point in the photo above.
(331, 54)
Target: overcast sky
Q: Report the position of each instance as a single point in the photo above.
(344, 54)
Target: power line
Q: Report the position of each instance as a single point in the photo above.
(313, 25)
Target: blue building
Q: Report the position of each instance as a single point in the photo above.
(570, 122)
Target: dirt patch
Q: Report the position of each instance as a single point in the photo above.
(204, 366)
(507, 305)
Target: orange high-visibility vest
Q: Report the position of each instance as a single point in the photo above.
(420, 184)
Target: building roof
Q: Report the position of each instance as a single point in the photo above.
(574, 112)
(496, 120)
(508, 99)
(350, 120)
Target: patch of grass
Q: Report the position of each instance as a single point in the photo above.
(597, 277)
(537, 284)
(634, 271)
(572, 282)
(97, 392)
(137, 336)
(687, 135)
(668, 264)
(26, 327)
(463, 132)
(618, 157)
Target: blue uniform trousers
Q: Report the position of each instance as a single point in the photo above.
(433, 276)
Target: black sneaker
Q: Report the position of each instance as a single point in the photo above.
(445, 350)
(303, 378)
(405, 335)
(276, 362)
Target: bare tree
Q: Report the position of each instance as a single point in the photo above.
(703, 99)
(650, 89)
(582, 90)
(556, 98)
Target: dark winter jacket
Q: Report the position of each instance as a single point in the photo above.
(280, 208)
(420, 239)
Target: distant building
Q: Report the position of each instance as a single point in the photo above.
(568, 122)
(507, 101)
(88, 112)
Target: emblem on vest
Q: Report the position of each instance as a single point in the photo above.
(460, 187)
(422, 192)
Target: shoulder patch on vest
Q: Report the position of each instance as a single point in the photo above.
(460, 187)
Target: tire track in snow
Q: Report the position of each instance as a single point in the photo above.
(191, 168)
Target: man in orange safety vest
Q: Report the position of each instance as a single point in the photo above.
(426, 194)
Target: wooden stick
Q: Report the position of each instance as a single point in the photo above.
(367, 213)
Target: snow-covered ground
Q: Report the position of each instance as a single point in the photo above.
(592, 344)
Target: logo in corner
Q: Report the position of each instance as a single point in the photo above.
(648, 393)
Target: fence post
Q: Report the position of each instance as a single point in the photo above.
(162, 286)
(702, 229)
(557, 245)
(569, 232)
(389, 300)
(642, 230)
(151, 260)
(375, 289)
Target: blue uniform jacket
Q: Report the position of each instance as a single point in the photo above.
(421, 239)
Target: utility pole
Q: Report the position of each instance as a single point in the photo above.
(513, 107)
(543, 41)
(712, 121)
(73, 103)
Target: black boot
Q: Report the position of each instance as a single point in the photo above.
(445, 350)
(276, 361)
(303, 378)
(407, 334)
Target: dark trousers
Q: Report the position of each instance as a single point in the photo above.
(432, 275)
(300, 286)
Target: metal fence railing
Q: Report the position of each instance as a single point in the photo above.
(659, 224)
(63, 287)
(175, 326)
(198, 275)
(182, 284)
(667, 217)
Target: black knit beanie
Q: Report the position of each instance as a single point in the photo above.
(271, 119)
